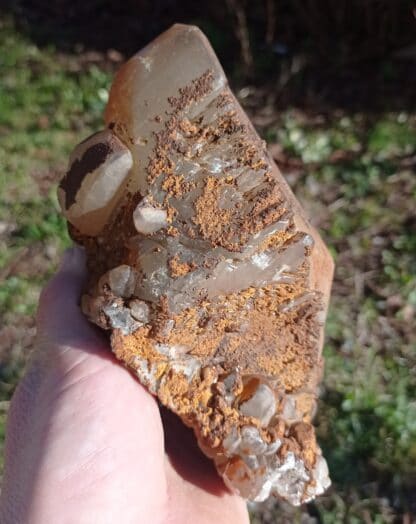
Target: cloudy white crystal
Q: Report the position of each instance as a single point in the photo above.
(251, 441)
(139, 310)
(262, 405)
(121, 280)
(147, 373)
(98, 187)
(232, 442)
(120, 318)
(148, 219)
(321, 478)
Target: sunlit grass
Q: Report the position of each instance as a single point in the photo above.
(45, 108)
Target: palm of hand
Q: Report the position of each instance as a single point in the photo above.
(85, 442)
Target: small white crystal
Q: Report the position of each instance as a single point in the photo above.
(121, 280)
(308, 241)
(321, 476)
(229, 382)
(149, 219)
(251, 441)
(188, 366)
(139, 310)
(261, 260)
(120, 318)
(289, 411)
(147, 374)
(289, 479)
(264, 492)
(262, 405)
(231, 443)
(187, 168)
(283, 269)
(147, 61)
(215, 165)
(289, 463)
(172, 352)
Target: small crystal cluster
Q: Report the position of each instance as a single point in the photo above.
(204, 268)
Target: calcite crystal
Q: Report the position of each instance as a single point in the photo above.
(203, 266)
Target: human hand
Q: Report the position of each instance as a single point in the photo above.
(85, 441)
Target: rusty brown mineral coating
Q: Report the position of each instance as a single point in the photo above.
(279, 344)
(321, 264)
(265, 335)
(197, 402)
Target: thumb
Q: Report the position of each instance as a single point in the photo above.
(60, 321)
(83, 437)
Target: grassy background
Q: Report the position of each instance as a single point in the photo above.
(343, 134)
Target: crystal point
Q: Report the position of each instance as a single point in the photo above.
(204, 267)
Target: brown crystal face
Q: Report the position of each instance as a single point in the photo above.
(206, 271)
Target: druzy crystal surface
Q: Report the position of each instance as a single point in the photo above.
(204, 268)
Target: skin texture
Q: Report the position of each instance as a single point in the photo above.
(86, 443)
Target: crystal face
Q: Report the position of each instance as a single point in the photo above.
(204, 267)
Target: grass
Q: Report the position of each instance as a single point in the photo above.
(355, 175)
(46, 105)
(358, 182)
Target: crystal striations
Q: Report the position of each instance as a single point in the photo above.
(204, 267)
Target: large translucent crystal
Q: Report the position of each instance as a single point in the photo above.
(204, 267)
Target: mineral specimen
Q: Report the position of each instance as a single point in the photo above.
(204, 267)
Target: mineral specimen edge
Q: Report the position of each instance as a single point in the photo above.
(202, 265)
